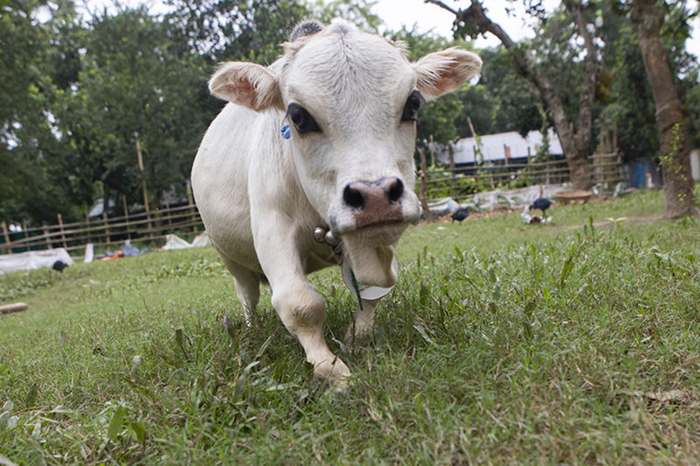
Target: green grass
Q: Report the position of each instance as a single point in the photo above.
(502, 343)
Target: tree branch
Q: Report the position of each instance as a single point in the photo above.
(442, 5)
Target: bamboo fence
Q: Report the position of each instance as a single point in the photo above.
(148, 227)
(461, 182)
(145, 227)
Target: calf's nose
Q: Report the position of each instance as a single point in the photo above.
(375, 201)
(359, 193)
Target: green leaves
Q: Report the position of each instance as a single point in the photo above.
(566, 270)
(121, 423)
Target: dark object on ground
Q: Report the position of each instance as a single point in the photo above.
(14, 307)
(58, 266)
(542, 204)
(460, 214)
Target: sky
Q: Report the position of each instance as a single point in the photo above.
(428, 17)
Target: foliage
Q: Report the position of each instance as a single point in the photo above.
(79, 92)
(514, 101)
(570, 342)
(248, 30)
(136, 82)
(29, 189)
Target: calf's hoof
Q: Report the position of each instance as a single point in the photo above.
(357, 333)
(333, 372)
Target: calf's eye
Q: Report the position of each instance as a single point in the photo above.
(413, 103)
(302, 119)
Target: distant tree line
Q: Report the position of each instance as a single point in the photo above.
(80, 92)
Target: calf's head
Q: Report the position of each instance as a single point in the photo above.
(351, 101)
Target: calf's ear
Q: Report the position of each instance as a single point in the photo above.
(443, 72)
(246, 84)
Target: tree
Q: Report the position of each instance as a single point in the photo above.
(30, 187)
(624, 89)
(575, 135)
(137, 82)
(648, 16)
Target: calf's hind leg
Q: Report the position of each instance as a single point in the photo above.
(247, 287)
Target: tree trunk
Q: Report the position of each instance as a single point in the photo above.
(675, 148)
(574, 143)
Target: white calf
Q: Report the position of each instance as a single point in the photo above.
(344, 164)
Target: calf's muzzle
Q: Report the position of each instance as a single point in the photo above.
(375, 202)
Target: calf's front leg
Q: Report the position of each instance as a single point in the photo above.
(297, 302)
(364, 322)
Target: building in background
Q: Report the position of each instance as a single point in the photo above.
(499, 148)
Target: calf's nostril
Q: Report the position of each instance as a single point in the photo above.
(353, 197)
(395, 190)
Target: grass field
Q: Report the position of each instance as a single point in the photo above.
(573, 342)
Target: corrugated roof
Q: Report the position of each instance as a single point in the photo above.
(493, 147)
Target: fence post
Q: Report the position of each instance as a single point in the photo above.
(87, 225)
(453, 175)
(60, 226)
(168, 213)
(46, 235)
(190, 201)
(7, 237)
(105, 219)
(26, 234)
(424, 185)
(126, 217)
(143, 185)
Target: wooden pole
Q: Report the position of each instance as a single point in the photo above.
(46, 235)
(190, 200)
(6, 234)
(167, 208)
(60, 226)
(453, 175)
(476, 138)
(143, 183)
(126, 217)
(424, 185)
(87, 224)
(105, 219)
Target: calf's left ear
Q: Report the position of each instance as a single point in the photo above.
(246, 84)
(444, 71)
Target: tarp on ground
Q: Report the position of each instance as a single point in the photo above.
(175, 242)
(33, 260)
(515, 199)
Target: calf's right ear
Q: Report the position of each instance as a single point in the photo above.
(247, 84)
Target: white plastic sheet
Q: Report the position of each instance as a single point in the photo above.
(33, 260)
(175, 242)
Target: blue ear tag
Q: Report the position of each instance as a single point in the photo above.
(286, 132)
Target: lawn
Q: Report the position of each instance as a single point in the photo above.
(573, 342)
